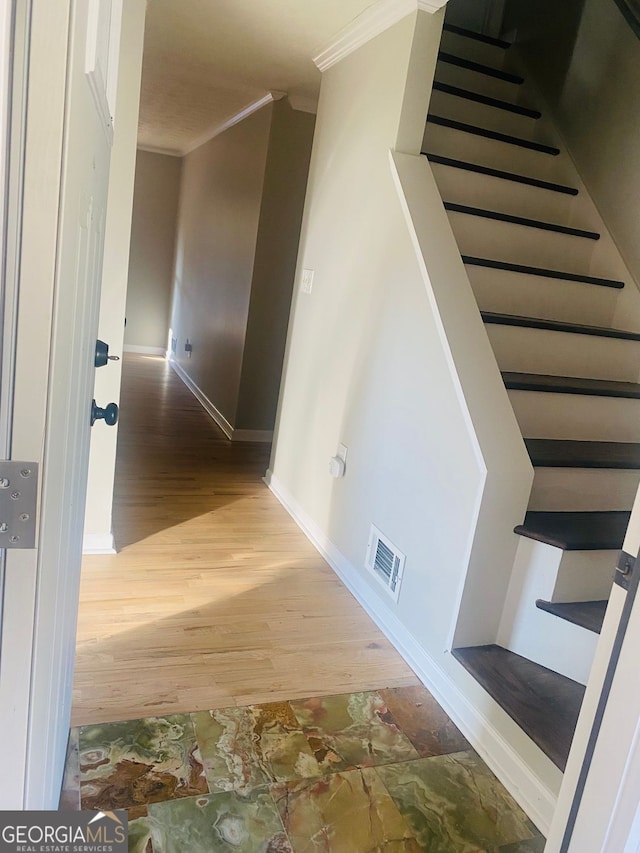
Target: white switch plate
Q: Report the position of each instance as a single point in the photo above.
(307, 281)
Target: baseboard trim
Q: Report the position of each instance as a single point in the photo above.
(144, 350)
(202, 398)
(263, 436)
(533, 795)
(98, 543)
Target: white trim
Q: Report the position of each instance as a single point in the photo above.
(262, 435)
(202, 398)
(537, 800)
(244, 113)
(167, 152)
(369, 24)
(141, 350)
(98, 543)
(303, 105)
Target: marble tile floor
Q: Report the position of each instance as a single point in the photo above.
(378, 772)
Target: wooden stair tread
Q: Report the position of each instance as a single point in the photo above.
(476, 130)
(562, 453)
(557, 326)
(543, 703)
(543, 272)
(570, 385)
(471, 34)
(480, 68)
(587, 614)
(479, 98)
(498, 173)
(528, 223)
(577, 531)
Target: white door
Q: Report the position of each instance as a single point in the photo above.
(66, 63)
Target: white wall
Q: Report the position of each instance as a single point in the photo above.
(153, 233)
(238, 226)
(114, 279)
(389, 356)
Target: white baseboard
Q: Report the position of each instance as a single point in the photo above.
(202, 398)
(261, 435)
(537, 800)
(231, 433)
(98, 543)
(144, 350)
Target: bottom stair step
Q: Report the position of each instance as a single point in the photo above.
(577, 531)
(543, 703)
(587, 614)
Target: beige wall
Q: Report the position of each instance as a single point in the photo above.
(586, 60)
(238, 225)
(153, 231)
(275, 265)
(102, 461)
(216, 243)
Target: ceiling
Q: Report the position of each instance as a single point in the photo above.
(206, 60)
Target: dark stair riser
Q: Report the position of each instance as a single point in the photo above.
(498, 216)
(498, 173)
(576, 531)
(495, 135)
(470, 34)
(559, 275)
(586, 614)
(570, 385)
(485, 100)
(479, 68)
(543, 703)
(492, 318)
(557, 453)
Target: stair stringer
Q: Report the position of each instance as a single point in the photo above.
(504, 492)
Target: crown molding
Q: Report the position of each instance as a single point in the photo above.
(369, 24)
(230, 122)
(155, 149)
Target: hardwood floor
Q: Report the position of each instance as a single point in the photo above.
(215, 597)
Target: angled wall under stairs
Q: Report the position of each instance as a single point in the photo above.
(562, 314)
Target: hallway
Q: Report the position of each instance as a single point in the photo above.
(215, 598)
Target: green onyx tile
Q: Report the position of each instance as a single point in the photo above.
(129, 764)
(532, 845)
(454, 803)
(352, 730)
(247, 747)
(139, 831)
(423, 721)
(349, 812)
(219, 822)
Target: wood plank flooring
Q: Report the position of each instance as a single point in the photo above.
(215, 597)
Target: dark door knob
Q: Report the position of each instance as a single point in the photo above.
(102, 354)
(109, 413)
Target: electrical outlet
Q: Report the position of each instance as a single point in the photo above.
(188, 348)
(306, 284)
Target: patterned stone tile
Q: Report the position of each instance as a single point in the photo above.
(423, 721)
(218, 823)
(352, 730)
(243, 748)
(139, 830)
(348, 812)
(532, 845)
(70, 795)
(128, 764)
(454, 803)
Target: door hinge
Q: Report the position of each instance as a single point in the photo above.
(624, 569)
(18, 503)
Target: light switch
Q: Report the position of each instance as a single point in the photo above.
(307, 281)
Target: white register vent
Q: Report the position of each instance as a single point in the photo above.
(385, 561)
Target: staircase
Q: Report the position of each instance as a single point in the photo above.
(560, 310)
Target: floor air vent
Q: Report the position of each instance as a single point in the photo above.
(385, 561)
